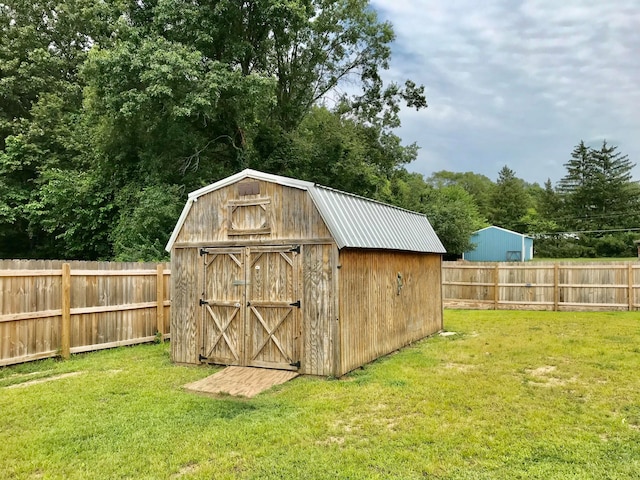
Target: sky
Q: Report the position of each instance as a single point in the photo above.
(517, 82)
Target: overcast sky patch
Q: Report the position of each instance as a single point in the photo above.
(517, 83)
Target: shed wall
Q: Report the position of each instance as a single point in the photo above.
(292, 218)
(493, 245)
(186, 289)
(528, 248)
(374, 318)
(319, 310)
(290, 211)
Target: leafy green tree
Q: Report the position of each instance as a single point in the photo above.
(113, 104)
(147, 216)
(341, 152)
(42, 46)
(478, 186)
(451, 209)
(163, 113)
(73, 210)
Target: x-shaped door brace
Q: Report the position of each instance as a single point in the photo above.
(270, 335)
(213, 256)
(223, 332)
(284, 255)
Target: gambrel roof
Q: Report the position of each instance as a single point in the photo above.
(354, 221)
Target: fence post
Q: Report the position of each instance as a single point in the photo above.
(65, 331)
(556, 286)
(496, 283)
(160, 299)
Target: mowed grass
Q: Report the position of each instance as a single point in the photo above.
(512, 395)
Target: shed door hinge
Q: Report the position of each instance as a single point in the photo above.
(202, 358)
(203, 252)
(295, 249)
(295, 304)
(203, 302)
(295, 364)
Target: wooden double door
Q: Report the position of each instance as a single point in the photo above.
(251, 307)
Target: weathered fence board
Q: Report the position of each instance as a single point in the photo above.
(50, 308)
(542, 286)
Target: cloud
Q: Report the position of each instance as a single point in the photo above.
(516, 83)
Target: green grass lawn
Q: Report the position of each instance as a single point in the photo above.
(513, 395)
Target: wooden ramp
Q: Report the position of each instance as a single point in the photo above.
(241, 381)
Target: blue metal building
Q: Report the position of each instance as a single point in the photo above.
(496, 244)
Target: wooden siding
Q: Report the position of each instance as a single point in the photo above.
(376, 319)
(542, 286)
(278, 215)
(290, 215)
(48, 308)
(187, 281)
(319, 310)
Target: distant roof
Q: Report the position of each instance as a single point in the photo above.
(354, 221)
(503, 229)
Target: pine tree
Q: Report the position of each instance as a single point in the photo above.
(614, 193)
(575, 189)
(597, 192)
(510, 201)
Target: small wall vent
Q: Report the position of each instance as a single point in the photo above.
(249, 188)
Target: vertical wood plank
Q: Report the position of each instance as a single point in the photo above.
(65, 333)
(160, 299)
(334, 315)
(630, 281)
(245, 314)
(556, 287)
(496, 282)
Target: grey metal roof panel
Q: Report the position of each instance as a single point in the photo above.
(359, 222)
(353, 221)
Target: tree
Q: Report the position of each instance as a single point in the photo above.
(576, 188)
(42, 47)
(478, 186)
(548, 202)
(510, 201)
(160, 97)
(597, 192)
(615, 197)
(450, 209)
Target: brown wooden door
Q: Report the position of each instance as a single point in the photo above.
(251, 307)
(273, 308)
(222, 327)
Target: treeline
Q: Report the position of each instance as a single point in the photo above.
(112, 111)
(593, 211)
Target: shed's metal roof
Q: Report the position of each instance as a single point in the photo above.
(354, 221)
(494, 227)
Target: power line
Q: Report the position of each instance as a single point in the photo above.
(634, 229)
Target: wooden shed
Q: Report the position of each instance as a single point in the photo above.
(274, 272)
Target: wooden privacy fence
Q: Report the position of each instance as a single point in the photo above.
(51, 308)
(542, 286)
